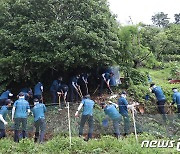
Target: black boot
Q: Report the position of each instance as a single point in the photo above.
(16, 136)
(36, 136)
(41, 139)
(24, 134)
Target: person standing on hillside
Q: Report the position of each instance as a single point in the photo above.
(87, 115)
(38, 90)
(105, 79)
(74, 88)
(3, 113)
(123, 110)
(161, 99)
(39, 110)
(54, 89)
(20, 112)
(176, 99)
(83, 82)
(4, 96)
(111, 111)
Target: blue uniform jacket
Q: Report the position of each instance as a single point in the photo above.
(38, 111)
(176, 98)
(55, 86)
(5, 95)
(159, 93)
(123, 103)
(21, 106)
(88, 106)
(3, 112)
(112, 112)
(37, 89)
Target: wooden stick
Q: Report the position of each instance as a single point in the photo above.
(59, 95)
(134, 125)
(69, 120)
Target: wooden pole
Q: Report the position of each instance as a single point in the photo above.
(134, 122)
(69, 121)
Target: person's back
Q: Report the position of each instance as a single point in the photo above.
(38, 111)
(88, 106)
(176, 98)
(122, 102)
(158, 93)
(112, 112)
(38, 89)
(21, 106)
(5, 95)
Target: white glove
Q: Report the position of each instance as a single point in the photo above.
(5, 123)
(76, 114)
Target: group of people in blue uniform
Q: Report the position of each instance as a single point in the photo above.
(20, 112)
(111, 111)
(78, 85)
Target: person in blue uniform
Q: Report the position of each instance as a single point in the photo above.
(38, 90)
(20, 112)
(105, 80)
(83, 83)
(111, 111)
(3, 114)
(62, 92)
(123, 110)
(4, 96)
(74, 87)
(54, 89)
(161, 99)
(176, 99)
(27, 93)
(38, 111)
(87, 115)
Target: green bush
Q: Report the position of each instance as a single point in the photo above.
(138, 92)
(137, 77)
(106, 144)
(175, 72)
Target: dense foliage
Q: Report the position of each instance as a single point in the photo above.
(41, 35)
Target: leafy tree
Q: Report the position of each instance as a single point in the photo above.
(160, 19)
(177, 18)
(62, 35)
(133, 52)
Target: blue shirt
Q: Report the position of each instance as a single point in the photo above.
(55, 86)
(88, 106)
(37, 89)
(3, 112)
(38, 111)
(158, 93)
(21, 106)
(123, 103)
(5, 95)
(176, 98)
(112, 112)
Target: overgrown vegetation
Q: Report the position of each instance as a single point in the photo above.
(106, 144)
